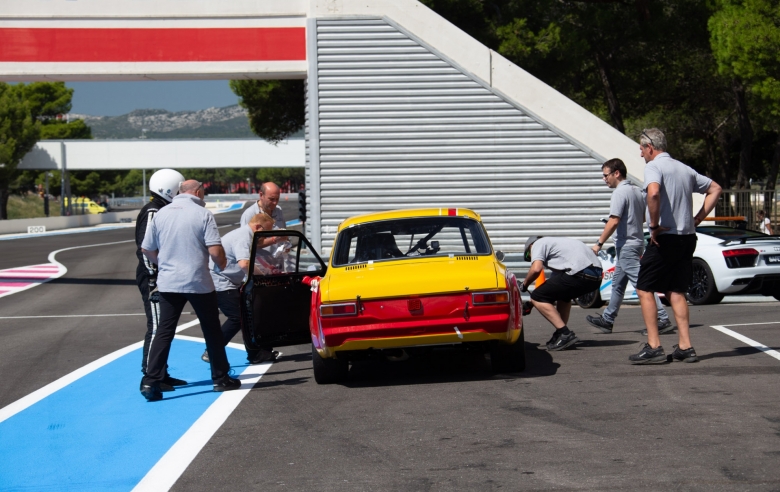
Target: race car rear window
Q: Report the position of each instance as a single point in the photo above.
(401, 239)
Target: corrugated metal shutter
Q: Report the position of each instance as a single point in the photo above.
(400, 127)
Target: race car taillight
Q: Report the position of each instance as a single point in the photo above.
(739, 258)
(330, 310)
(501, 297)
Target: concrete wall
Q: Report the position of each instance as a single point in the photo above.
(17, 226)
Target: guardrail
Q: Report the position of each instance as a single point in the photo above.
(16, 226)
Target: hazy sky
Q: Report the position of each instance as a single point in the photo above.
(115, 98)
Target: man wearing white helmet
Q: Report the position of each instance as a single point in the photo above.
(164, 185)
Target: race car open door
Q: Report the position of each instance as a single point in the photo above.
(275, 302)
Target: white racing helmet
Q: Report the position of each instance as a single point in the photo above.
(165, 183)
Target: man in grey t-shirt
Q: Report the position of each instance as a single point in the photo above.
(626, 216)
(238, 250)
(183, 236)
(576, 271)
(267, 203)
(667, 265)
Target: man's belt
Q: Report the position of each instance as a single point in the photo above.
(590, 273)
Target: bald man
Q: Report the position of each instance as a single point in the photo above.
(182, 238)
(267, 203)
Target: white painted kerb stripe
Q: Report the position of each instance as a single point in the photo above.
(751, 342)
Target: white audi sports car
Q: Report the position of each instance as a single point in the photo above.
(727, 261)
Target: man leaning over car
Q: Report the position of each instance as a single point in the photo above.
(238, 250)
(575, 271)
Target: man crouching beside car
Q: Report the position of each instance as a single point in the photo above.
(576, 270)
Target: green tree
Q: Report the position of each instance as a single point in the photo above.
(276, 107)
(745, 36)
(19, 131)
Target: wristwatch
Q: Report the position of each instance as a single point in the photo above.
(599, 244)
(652, 228)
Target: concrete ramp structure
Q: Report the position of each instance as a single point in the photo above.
(403, 108)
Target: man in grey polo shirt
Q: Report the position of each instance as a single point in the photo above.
(238, 251)
(575, 271)
(267, 203)
(667, 265)
(626, 216)
(182, 238)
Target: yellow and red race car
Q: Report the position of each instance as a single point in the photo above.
(396, 282)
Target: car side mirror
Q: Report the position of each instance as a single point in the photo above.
(500, 255)
(611, 251)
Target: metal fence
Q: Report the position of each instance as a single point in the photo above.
(745, 203)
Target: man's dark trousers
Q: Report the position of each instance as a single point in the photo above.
(230, 305)
(171, 305)
(152, 309)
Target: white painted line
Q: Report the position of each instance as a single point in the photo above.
(167, 471)
(80, 315)
(742, 338)
(755, 324)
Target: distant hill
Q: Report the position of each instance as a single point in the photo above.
(227, 122)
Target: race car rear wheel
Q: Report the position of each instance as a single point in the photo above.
(590, 300)
(328, 371)
(703, 289)
(508, 358)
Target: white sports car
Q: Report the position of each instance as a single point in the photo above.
(727, 261)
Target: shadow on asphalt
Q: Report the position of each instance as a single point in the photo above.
(445, 366)
(605, 343)
(739, 351)
(93, 281)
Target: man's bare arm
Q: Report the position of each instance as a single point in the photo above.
(217, 254)
(609, 229)
(710, 200)
(152, 255)
(244, 265)
(536, 268)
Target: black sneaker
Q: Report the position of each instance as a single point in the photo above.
(168, 383)
(562, 342)
(664, 326)
(205, 356)
(263, 356)
(151, 392)
(648, 355)
(227, 384)
(687, 355)
(599, 322)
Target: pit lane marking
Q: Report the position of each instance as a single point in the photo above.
(749, 341)
(170, 467)
(51, 388)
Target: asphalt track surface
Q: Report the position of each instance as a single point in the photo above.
(581, 419)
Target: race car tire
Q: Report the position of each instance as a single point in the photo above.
(328, 371)
(590, 300)
(508, 358)
(703, 289)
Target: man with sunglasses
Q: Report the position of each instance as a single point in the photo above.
(667, 265)
(626, 216)
(182, 238)
(238, 251)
